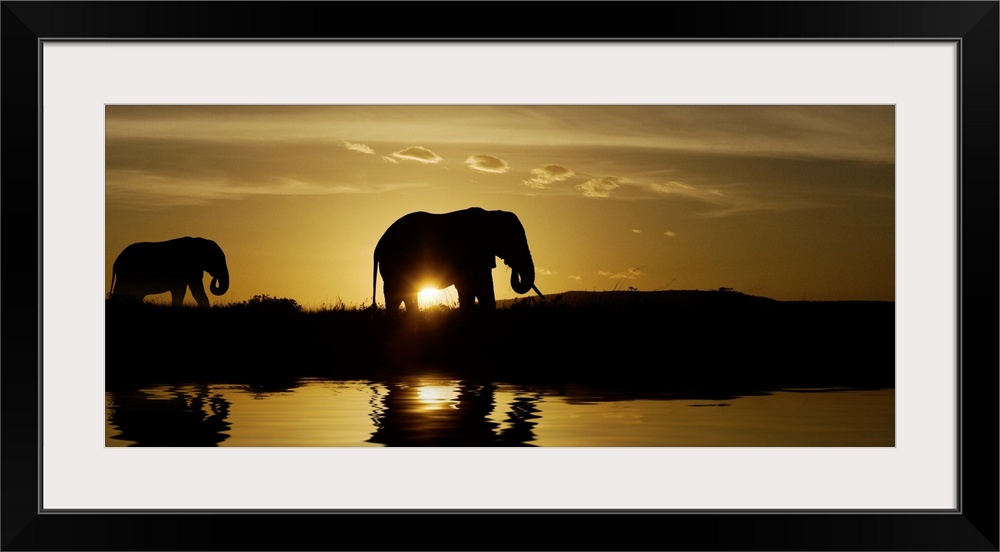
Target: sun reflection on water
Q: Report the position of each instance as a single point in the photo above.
(437, 396)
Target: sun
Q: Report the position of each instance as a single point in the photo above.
(432, 297)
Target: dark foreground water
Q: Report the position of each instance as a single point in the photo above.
(440, 411)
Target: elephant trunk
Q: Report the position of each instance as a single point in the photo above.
(220, 283)
(522, 276)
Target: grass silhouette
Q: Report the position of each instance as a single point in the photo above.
(719, 338)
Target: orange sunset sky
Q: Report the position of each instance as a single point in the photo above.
(787, 202)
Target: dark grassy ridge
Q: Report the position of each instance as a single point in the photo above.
(681, 338)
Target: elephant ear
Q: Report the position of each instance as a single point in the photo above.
(509, 235)
(494, 236)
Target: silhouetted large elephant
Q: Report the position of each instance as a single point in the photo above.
(148, 268)
(437, 250)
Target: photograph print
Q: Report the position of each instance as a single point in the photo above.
(500, 275)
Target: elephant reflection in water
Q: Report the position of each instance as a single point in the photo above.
(458, 248)
(414, 415)
(148, 268)
(190, 416)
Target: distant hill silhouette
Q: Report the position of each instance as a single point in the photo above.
(631, 298)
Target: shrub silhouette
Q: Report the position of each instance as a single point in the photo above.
(264, 303)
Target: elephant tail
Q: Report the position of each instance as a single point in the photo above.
(374, 280)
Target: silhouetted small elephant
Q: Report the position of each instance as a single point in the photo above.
(437, 250)
(148, 268)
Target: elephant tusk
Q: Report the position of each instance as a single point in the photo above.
(536, 291)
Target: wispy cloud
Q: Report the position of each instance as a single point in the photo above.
(636, 231)
(418, 153)
(682, 189)
(575, 277)
(630, 274)
(360, 148)
(548, 174)
(670, 233)
(735, 200)
(487, 163)
(135, 189)
(672, 187)
(827, 132)
(541, 271)
(600, 187)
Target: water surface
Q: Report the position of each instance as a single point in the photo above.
(438, 411)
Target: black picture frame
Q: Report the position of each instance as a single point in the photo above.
(973, 525)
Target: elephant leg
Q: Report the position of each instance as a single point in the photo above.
(198, 293)
(124, 288)
(487, 298)
(466, 297)
(177, 295)
(481, 288)
(392, 300)
(410, 302)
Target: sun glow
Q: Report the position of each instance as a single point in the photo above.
(437, 396)
(432, 297)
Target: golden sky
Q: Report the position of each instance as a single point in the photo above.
(789, 202)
